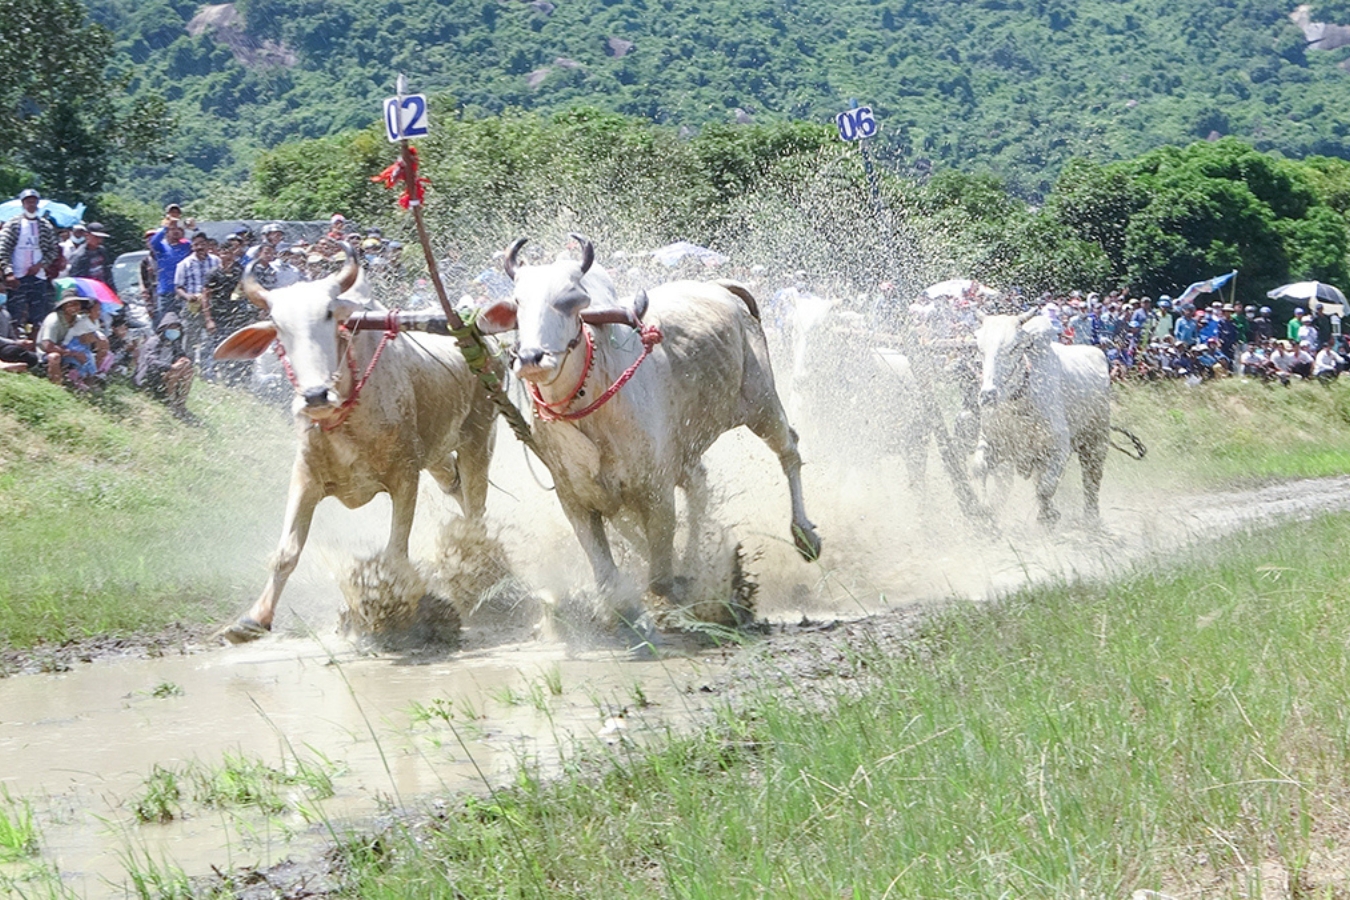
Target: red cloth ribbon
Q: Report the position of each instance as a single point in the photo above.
(395, 174)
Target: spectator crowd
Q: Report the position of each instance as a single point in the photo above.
(54, 323)
(1146, 339)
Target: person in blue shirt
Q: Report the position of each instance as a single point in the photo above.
(169, 248)
(1186, 330)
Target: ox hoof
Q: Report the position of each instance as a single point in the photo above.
(1048, 518)
(244, 631)
(806, 541)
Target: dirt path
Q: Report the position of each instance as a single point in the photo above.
(79, 740)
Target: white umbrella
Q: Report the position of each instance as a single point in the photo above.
(1307, 291)
(956, 288)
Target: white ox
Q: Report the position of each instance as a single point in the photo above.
(709, 374)
(421, 408)
(1039, 400)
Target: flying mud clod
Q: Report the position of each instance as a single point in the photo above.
(389, 607)
(472, 569)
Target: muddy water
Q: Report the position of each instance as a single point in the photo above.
(80, 745)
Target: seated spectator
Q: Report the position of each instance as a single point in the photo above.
(52, 335)
(82, 340)
(18, 356)
(122, 347)
(164, 368)
(1326, 365)
(1303, 360)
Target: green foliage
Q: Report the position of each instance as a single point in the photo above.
(64, 116)
(1013, 87)
(1176, 215)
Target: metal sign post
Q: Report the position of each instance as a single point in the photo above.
(405, 116)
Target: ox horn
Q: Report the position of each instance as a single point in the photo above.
(1027, 316)
(346, 276)
(258, 295)
(512, 255)
(587, 251)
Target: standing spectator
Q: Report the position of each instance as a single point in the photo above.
(91, 259)
(1307, 333)
(79, 232)
(164, 368)
(1227, 332)
(149, 276)
(27, 247)
(1187, 328)
(1080, 323)
(1293, 325)
(337, 228)
(1166, 321)
(287, 273)
(1322, 322)
(272, 235)
(1262, 327)
(169, 248)
(189, 282)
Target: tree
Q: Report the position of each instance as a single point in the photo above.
(62, 118)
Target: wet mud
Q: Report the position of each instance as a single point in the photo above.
(396, 729)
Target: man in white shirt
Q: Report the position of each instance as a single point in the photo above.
(27, 246)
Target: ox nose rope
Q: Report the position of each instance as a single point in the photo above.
(553, 412)
(345, 408)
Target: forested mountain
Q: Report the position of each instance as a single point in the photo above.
(1012, 87)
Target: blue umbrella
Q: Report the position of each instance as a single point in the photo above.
(62, 215)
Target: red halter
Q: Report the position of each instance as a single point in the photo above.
(553, 412)
(345, 408)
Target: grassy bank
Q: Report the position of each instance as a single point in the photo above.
(118, 517)
(1240, 430)
(1176, 730)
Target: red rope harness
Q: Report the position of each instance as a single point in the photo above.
(553, 412)
(345, 408)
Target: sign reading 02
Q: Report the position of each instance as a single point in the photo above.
(406, 117)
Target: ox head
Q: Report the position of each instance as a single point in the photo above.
(545, 309)
(304, 318)
(1005, 342)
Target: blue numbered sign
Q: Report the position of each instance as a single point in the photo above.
(406, 117)
(855, 124)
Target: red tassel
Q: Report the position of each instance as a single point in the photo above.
(395, 174)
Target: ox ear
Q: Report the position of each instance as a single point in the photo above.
(249, 342)
(499, 317)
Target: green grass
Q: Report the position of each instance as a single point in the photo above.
(18, 833)
(1238, 429)
(1172, 730)
(118, 517)
(238, 782)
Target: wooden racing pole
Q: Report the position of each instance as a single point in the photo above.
(470, 339)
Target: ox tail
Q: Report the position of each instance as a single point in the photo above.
(1139, 451)
(743, 292)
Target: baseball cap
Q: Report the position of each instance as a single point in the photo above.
(97, 229)
(338, 217)
(28, 192)
(271, 227)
